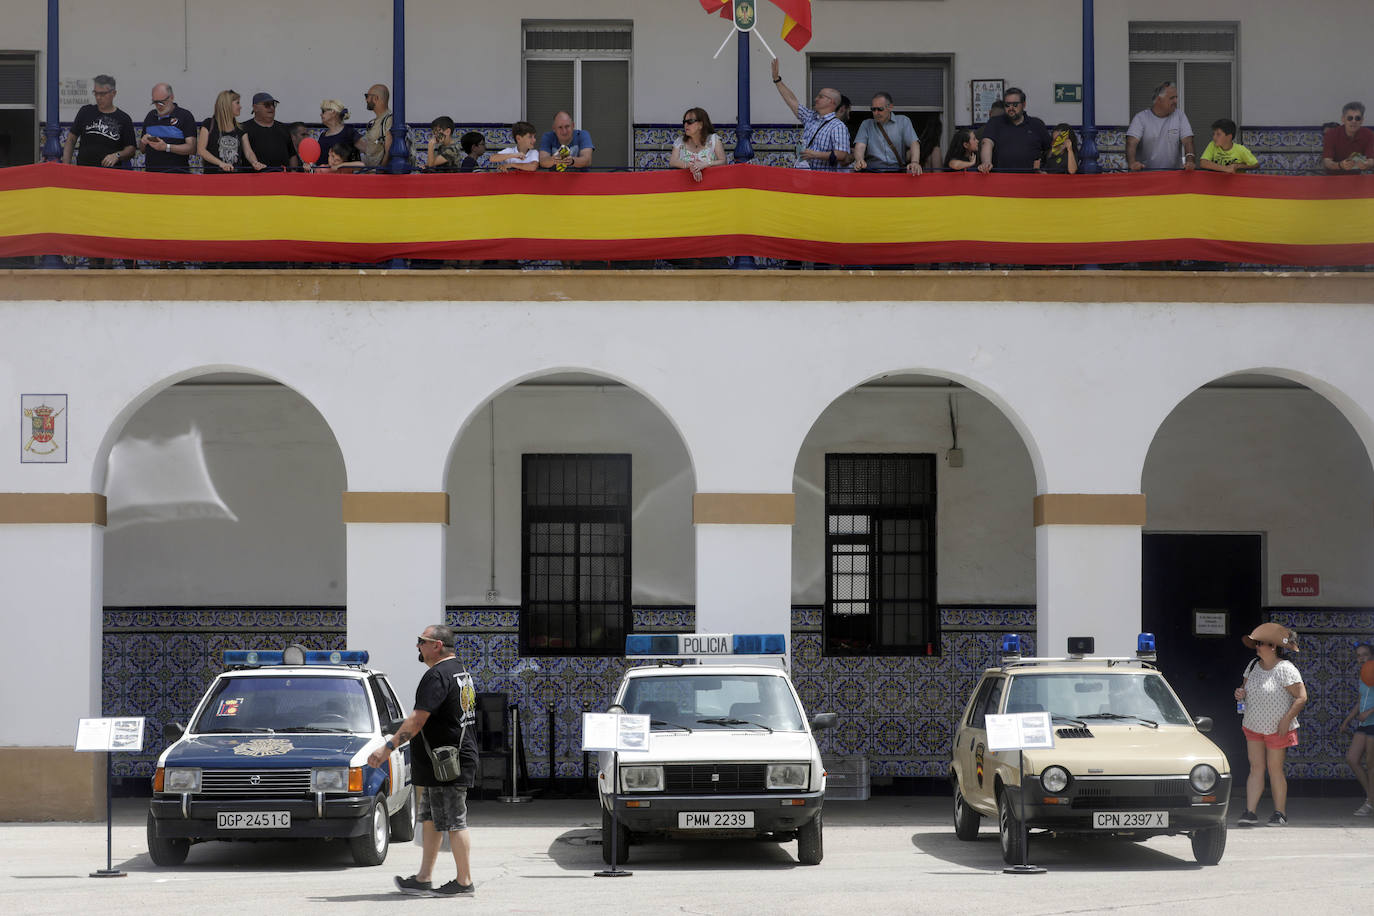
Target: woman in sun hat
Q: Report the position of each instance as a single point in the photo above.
(1273, 693)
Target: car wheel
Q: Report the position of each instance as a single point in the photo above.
(1015, 844)
(616, 833)
(164, 851)
(1209, 844)
(811, 842)
(371, 847)
(966, 820)
(403, 821)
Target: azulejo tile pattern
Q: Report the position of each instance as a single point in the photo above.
(897, 711)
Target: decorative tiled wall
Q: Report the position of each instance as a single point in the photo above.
(897, 711)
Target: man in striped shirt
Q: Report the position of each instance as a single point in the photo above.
(825, 138)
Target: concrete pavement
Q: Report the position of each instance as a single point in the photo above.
(888, 855)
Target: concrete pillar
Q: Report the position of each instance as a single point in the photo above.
(50, 678)
(1087, 558)
(744, 562)
(395, 578)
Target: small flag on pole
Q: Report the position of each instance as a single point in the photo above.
(796, 23)
(723, 7)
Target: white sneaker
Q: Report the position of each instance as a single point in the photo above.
(1364, 810)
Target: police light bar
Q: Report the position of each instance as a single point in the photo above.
(677, 645)
(256, 658)
(1145, 647)
(1011, 647)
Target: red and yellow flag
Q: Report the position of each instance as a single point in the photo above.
(723, 7)
(796, 23)
(741, 209)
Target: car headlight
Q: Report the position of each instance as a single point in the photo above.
(641, 779)
(181, 779)
(788, 775)
(329, 779)
(1203, 778)
(1054, 779)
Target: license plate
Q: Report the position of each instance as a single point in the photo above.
(1129, 820)
(714, 820)
(253, 820)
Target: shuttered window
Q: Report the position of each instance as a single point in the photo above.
(915, 84)
(582, 67)
(1199, 58)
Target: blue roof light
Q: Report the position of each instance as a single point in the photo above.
(1011, 645)
(1145, 645)
(760, 644)
(255, 658)
(646, 644)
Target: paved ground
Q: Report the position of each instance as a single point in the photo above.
(889, 855)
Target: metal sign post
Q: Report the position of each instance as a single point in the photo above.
(614, 732)
(1018, 731)
(109, 736)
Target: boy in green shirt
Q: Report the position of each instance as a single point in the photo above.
(1224, 154)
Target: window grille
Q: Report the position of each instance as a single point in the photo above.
(880, 594)
(575, 567)
(1200, 59)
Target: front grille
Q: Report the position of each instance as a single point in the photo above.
(714, 778)
(255, 783)
(1130, 794)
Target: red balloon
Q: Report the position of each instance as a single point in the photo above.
(309, 150)
(1367, 673)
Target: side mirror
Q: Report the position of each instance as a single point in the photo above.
(824, 720)
(173, 731)
(1203, 723)
(616, 708)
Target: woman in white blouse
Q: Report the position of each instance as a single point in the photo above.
(1273, 694)
(698, 148)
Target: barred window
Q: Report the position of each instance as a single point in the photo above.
(575, 566)
(880, 555)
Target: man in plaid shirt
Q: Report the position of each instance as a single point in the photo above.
(825, 138)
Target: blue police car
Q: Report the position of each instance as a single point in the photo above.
(277, 749)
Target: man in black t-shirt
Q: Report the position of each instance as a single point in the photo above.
(101, 134)
(169, 134)
(271, 140)
(1015, 142)
(444, 715)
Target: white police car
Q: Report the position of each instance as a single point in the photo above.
(277, 749)
(1127, 760)
(730, 751)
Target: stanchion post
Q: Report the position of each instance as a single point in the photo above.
(109, 871)
(515, 743)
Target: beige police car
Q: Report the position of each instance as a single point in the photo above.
(1127, 760)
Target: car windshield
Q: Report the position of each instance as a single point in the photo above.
(1097, 696)
(285, 704)
(714, 701)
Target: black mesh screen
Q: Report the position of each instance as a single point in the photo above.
(575, 566)
(880, 555)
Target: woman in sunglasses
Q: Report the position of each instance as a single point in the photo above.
(698, 148)
(1273, 694)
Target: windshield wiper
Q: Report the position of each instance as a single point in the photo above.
(237, 731)
(653, 722)
(1116, 715)
(1063, 718)
(722, 720)
(316, 729)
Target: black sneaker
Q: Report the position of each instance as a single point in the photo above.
(1278, 819)
(413, 886)
(1247, 819)
(453, 889)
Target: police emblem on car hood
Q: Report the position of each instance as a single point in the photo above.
(264, 747)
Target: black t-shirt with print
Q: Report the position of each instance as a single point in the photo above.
(226, 146)
(440, 694)
(99, 133)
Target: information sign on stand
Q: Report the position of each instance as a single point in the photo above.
(614, 732)
(1016, 732)
(110, 736)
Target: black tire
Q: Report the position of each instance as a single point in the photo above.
(811, 841)
(621, 840)
(403, 821)
(966, 820)
(1209, 844)
(163, 851)
(1015, 843)
(371, 847)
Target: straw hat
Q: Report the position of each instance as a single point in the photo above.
(1274, 634)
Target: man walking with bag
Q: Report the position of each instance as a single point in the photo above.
(443, 762)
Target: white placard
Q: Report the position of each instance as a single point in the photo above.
(1209, 623)
(74, 92)
(1019, 730)
(633, 733)
(123, 734)
(608, 731)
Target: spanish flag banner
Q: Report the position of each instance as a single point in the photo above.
(723, 7)
(796, 23)
(846, 218)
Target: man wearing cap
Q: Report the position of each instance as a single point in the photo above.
(1273, 694)
(169, 133)
(270, 138)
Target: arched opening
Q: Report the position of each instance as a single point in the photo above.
(913, 552)
(570, 526)
(1259, 490)
(224, 531)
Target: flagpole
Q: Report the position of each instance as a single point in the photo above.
(744, 131)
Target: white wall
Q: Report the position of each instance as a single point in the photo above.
(1299, 63)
